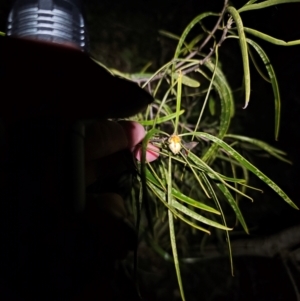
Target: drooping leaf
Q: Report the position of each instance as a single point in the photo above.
(274, 83)
(232, 152)
(172, 229)
(263, 145)
(233, 205)
(270, 39)
(161, 119)
(243, 45)
(264, 4)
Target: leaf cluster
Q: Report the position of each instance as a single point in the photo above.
(194, 103)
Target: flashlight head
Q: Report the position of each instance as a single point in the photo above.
(57, 21)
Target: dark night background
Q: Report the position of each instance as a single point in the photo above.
(124, 35)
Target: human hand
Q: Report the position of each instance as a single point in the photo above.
(106, 138)
(106, 144)
(43, 250)
(104, 156)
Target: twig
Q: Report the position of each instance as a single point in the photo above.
(215, 28)
(285, 258)
(268, 247)
(192, 54)
(212, 50)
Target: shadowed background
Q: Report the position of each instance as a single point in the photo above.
(125, 35)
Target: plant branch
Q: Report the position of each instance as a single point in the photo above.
(212, 50)
(216, 26)
(192, 54)
(262, 247)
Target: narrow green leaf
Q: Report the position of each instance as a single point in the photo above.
(172, 229)
(196, 175)
(162, 69)
(257, 67)
(161, 196)
(212, 173)
(234, 205)
(129, 76)
(273, 80)
(163, 105)
(170, 35)
(161, 119)
(208, 91)
(214, 197)
(249, 166)
(178, 101)
(243, 44)
(159, 250)
(187, 47)
(212, 105)
(274, 83)
(263, 145)
(187, 81)
(228, 179)
(180, 196)
(145, 68)
(154, 179)
(194, 41)
(227, 105)
(270, 39)
(198, 217)
(107, 69)
(250, 2)
(144, 193)
(175, 254)
(265, 4)
(186, 31)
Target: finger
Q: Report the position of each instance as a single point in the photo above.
(107, 137)
(104, 138)
(135, 132)
(80, 88)
(152, 152)
(103, 143)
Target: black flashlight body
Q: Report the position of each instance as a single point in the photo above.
(51, 88)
